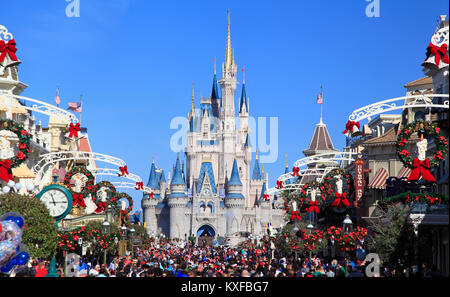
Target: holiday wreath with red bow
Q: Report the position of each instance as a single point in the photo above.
(124, 213)
(111, 192)
(78, 197)
(24, 137)
(328, 188)
(421, 168)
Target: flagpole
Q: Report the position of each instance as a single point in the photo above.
(321, 104)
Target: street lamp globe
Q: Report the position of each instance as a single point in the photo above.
(116, 240)
(347, 224)
(310, 228)
(80, 241)
(106, 227)
(123, 230)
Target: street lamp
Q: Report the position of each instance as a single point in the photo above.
(131, 239)
(347, 225)
(310, 229)
(80, 243)
(106, 229)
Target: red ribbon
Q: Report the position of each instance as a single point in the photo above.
(78, 200)
(296, 171)
(8, 49)
(151, 195)
(100, 207)
(295, 215)
(139, 185)
(74, 129)
(421, 168)
(124, 170)
(349, 126)
(438, 52)
(341, 199)
(5, 171)
(313, 207)
(279, 184)
(266, 197)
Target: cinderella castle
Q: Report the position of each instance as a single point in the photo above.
(218, 196)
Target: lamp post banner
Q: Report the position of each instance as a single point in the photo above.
(359, 179)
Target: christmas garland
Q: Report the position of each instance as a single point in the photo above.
(427, 129)
(88, 188)
(409, 197)
(346, 242)
(328, 192)
(309, 240)
(68, 241)
(110, 190)
(22, 154)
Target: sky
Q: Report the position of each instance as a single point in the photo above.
(134, 62)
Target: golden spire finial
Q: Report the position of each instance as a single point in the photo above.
(228, 49)
(256, 154)
(286, 160)
(153, 158)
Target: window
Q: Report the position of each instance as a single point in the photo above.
(419, 115)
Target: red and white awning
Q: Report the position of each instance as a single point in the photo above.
(404, 172)
(379, 181)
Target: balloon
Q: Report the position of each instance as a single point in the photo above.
(22, 258)
(6, 189)
(7, 268)
(11, 183)
(30, 187)
(19, 221)
(7, 251)
(18, 186)
(11, 232)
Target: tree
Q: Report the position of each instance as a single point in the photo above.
(40, 234)
(392, 235)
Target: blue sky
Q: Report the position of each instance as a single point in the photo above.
(134, 62)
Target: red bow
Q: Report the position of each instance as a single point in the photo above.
(421, 168)
(295, 216)
(140, 186)
(5, 170)
(124, 170)
(151, 195)
(349, 126)
(100, 207)
(279, 184)
(266, 197)
(341, 198)
(8, 49)
(313, 207)
(74, 129)
(296, 171)
(438, 52)
(78, 200)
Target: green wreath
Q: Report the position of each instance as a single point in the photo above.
(111, 191)
(130, 204)
(426, 129)
(24, 141)
(78, 196)
(327, 188)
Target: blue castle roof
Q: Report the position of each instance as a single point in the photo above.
(263, 191)
(177, 174)
(257, 175)
(234, 179)
(243, 99)
(206, 169)
(153, 178)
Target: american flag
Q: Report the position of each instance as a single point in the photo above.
(74, 106)
(319, 98)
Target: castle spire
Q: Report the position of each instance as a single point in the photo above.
(243, 103)
(192, 103)
(228, 57)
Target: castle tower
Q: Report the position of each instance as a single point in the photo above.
(149, 204)
(234, 201)
(177, 201)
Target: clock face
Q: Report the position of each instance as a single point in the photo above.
(56, 202)
(206, 191)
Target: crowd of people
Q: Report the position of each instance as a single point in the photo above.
(171, 260)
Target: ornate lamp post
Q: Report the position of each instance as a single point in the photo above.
(106, 229)
(296, 229)
(130, 234)
(347, 226)
(309, 230)
(80, 243)
(123, 233)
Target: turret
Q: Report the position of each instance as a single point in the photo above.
(177, 201)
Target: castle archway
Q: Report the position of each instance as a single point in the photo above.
(205, 235)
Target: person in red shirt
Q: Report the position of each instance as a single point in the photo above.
(41, 270)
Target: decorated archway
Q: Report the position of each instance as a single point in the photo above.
(205, 235)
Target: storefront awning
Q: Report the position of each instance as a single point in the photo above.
(404, 172)
(22, 172)
(379, 181)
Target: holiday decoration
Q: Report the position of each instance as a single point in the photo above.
(296, 171)
(83, 184)
(104, 193)
(421, 165)
(12, 252)
(22, 154)
(351, 129)
(139, 185)
(68, 241)
(310, 240)
(337, 185)
(74, 129)
(8, 53)
(123, 209)
(346, 241)
(439, 52)
(151, 195)
(409, 197)
(123, 171)
(279, 184)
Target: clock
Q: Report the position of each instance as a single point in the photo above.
(206, 191)
(57, 199)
